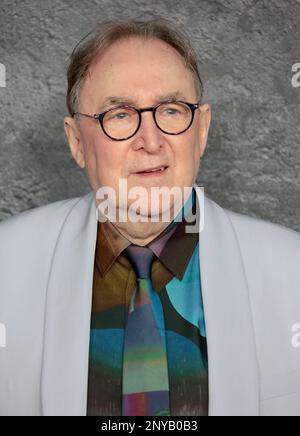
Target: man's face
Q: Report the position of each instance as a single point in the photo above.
(143, 73)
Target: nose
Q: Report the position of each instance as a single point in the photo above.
(148, 137)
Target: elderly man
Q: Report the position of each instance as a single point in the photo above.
(108, 316)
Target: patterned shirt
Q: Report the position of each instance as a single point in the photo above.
(176, 279)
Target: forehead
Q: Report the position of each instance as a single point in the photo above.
(139, 68)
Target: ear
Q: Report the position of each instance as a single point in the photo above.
(75, 140)
(204, 124)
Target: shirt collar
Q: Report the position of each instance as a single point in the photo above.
(173, 247)
(110, 244)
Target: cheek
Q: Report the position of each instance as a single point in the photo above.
(109, 162)
(186, 154)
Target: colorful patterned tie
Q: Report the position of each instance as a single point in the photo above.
(145, 369)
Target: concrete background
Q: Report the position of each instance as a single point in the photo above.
(247, 49)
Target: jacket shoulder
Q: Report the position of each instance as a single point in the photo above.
(260, 234)
(268, 249)
(36, 223)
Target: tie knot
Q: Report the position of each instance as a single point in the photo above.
(141, 259)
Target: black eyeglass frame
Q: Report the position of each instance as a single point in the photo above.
(100, 116)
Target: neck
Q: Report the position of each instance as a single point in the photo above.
(140, 233)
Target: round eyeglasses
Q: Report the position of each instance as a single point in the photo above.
(123, 122)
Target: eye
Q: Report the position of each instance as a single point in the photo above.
(171, 111)
(116, 116)
(120, 115)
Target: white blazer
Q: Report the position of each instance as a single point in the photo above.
(251, 294)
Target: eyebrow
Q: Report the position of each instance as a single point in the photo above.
(115, 100)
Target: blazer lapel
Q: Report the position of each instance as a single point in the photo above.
(232, 360)
(68, 311)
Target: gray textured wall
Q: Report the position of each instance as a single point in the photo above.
(247, 50)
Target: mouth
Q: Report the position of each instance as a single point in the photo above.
(152, 172)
